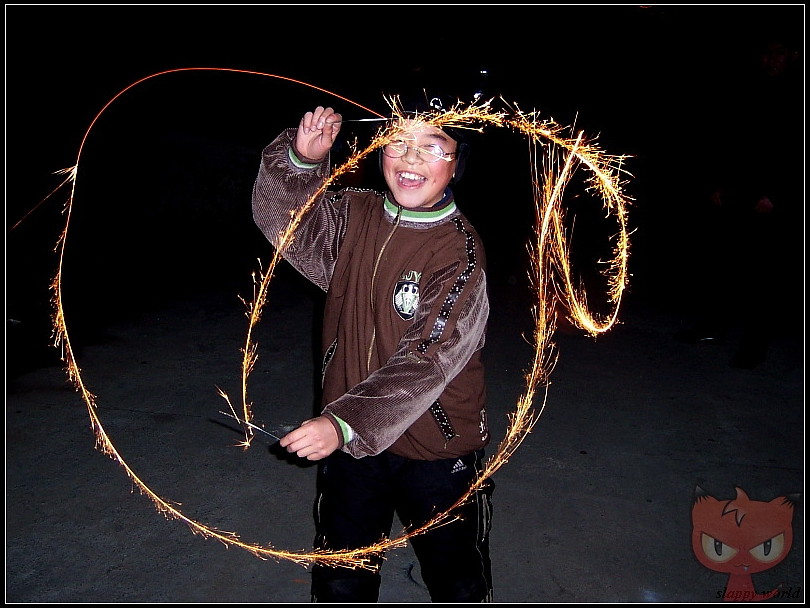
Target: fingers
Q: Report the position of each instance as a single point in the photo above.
(314, 439)
(317, 132)
(322, 119)
(308, 446)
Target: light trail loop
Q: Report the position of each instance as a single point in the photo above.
(548, 259)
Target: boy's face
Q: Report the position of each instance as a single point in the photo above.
(418, 178)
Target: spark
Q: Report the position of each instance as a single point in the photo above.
(550, 276)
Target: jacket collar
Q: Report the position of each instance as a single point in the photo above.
(441, 210)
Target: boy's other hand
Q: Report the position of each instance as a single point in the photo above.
(314, 439)
(316, 134)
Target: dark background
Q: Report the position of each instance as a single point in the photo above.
(162, 200)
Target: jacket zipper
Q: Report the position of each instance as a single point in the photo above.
(371, 295)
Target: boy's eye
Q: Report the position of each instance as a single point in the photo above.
(434, 149)
(429, 153)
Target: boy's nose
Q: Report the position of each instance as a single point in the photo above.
(411, 155)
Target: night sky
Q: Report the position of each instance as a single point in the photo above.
(163, 194)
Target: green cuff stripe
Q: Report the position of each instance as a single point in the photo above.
(348, 434)
(298, 162)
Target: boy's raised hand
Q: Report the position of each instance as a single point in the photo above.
(316, 134)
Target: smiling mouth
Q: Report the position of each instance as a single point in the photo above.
(408, 179)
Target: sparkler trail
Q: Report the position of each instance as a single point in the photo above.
(550, 276)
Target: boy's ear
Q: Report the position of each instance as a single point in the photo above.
(462, 152)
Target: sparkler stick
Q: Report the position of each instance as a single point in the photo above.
(549, 275)
(362, 120)
(251, 425)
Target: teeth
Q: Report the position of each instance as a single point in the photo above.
(413, 176)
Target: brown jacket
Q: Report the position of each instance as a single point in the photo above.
(406, 308)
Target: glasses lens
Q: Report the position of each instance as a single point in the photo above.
(432, 153)
(395, 149)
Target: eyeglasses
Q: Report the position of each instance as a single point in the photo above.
(432, 152)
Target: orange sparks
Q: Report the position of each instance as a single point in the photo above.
(550, 275)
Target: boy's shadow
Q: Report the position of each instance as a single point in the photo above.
(282, 454)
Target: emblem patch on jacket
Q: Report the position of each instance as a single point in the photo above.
(406, 294)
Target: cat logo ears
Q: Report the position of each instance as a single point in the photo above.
(792, 499)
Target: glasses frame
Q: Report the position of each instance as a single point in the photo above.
(430, 157)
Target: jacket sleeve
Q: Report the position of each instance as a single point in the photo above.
(284, 185)
(382, 407)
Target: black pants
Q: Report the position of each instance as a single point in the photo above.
(355, 507)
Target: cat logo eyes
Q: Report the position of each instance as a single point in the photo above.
(766, 552)
(716, 550)
(770, 550)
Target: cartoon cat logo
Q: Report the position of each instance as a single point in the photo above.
(742, 537)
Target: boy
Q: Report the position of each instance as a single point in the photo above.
(403, 425)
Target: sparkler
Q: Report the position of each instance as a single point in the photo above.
(362, 120)
(550, 276)
(253, 427)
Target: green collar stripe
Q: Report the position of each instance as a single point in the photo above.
(426, 216)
